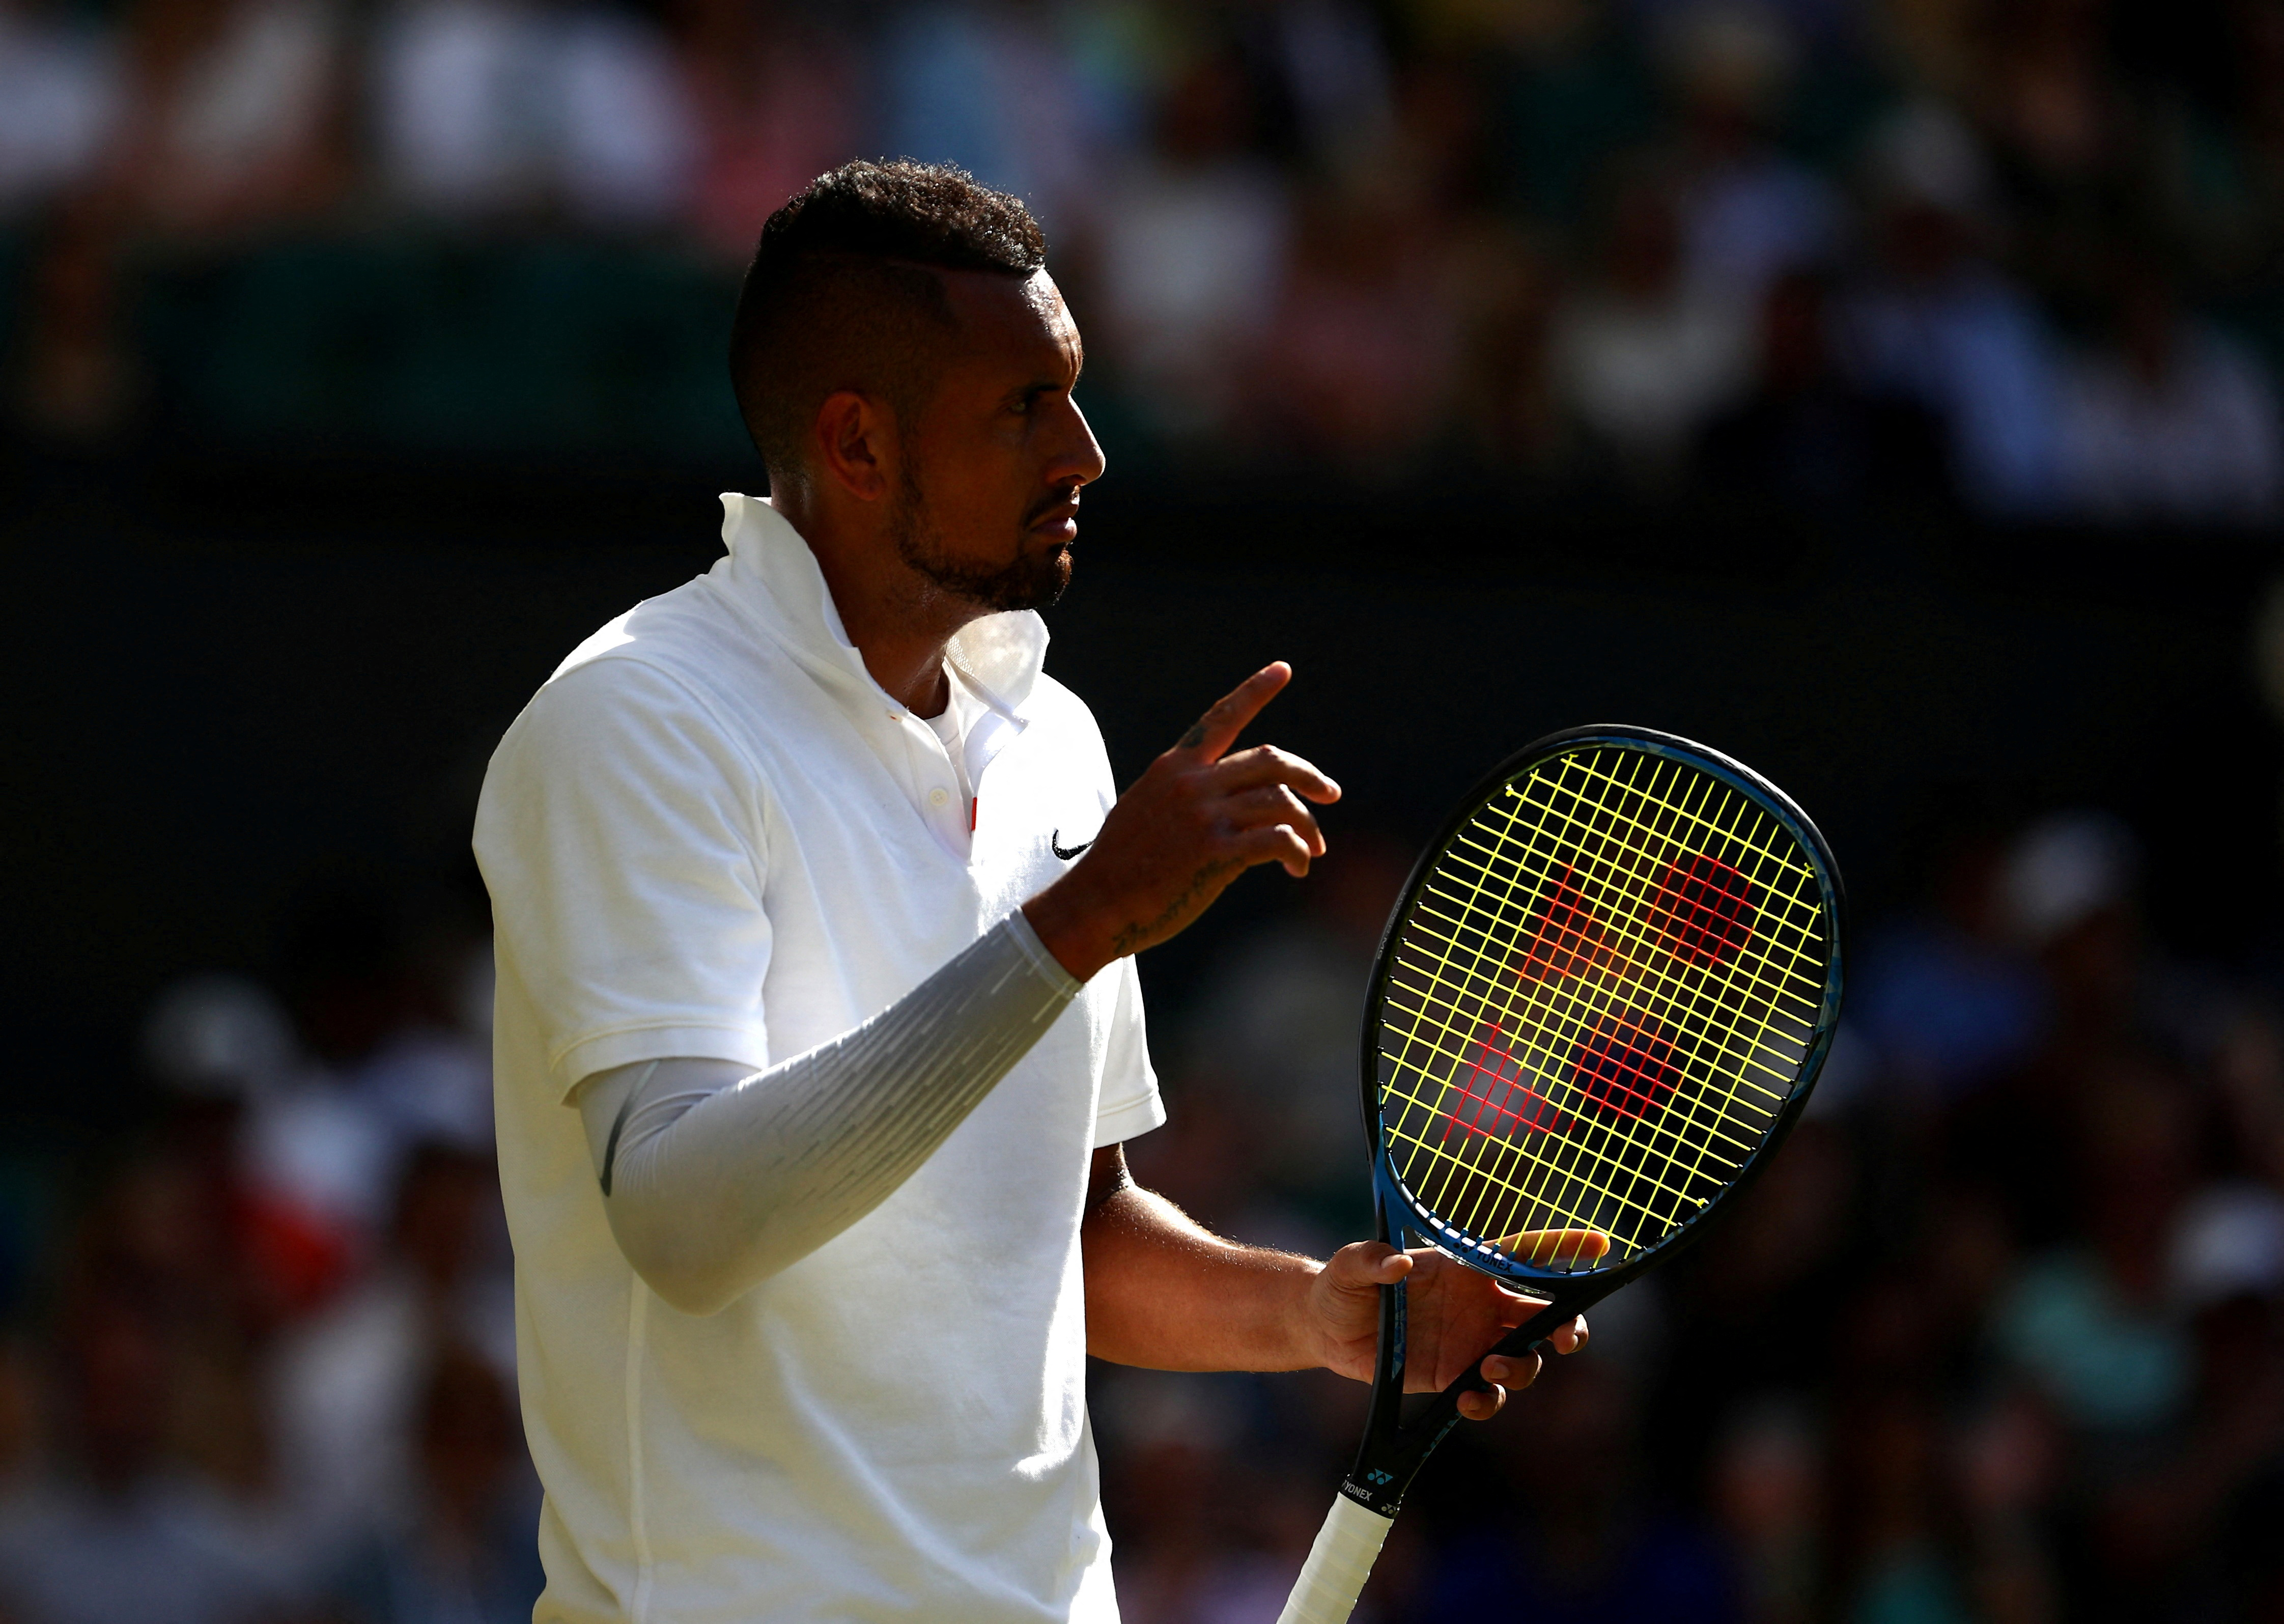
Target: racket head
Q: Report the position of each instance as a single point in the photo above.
(1601, 1003)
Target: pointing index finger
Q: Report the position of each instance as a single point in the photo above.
(1218, 729)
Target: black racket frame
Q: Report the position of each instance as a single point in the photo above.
(1392, 1451)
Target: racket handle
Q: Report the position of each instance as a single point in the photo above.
(1338, 1564)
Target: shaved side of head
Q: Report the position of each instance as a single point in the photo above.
(844, 294)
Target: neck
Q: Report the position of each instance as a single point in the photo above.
(899, 620)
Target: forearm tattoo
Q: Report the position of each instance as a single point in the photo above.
(1133, 938)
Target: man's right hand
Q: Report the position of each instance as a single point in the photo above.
(1189, 826)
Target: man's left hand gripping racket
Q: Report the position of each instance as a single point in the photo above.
(1600, 1006)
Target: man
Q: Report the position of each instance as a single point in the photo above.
(814, 905)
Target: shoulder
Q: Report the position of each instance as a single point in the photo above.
(606, 693)
(1052, 703)
(685, 632)
(620, 718)
(1066, 726)
(655, 672)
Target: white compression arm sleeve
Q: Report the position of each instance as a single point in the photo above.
(716, 1177)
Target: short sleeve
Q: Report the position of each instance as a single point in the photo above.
(620, 835)
(1129, 1105)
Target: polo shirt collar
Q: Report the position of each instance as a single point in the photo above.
(772, 573)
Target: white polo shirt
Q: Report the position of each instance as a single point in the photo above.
(712, 834)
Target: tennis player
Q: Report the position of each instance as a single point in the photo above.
(818, 1028)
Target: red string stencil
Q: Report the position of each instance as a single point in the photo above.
(1702, 910)
(1568, 939)
(1625, 1065)
(1496, 1100)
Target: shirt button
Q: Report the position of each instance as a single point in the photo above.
(937, 798)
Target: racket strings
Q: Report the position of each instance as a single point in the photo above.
(1599, 1074)
(1600, 1050)
(1606, 1074)
(1806, 958)
(1670, 984)
(1540, 1013)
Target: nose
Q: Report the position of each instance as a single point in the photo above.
(1078, 460)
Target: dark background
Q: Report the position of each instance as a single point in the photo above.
(230, 681)
(1880, 391)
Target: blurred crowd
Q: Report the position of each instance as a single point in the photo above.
(1999, 1339)
(2017, 255)
(260, 1361)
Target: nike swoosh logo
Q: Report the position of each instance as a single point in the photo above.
(1055, 846)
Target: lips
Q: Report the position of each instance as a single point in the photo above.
(1057, 520)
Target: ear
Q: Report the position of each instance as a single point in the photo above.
(856, 444)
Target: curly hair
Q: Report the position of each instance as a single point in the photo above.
(843, 292)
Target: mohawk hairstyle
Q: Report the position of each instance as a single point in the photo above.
(843, 292)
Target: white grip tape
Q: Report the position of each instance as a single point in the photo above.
(1338, 1564)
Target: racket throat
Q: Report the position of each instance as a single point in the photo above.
(1375, 1480)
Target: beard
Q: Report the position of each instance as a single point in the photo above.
(1030, 581)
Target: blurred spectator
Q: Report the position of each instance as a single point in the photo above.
(1576, 93)
(488, 108)
(459, 92)
(236, 118)
(625, 137)
(2183, 1522)
(463, 1552)
(1364, 353)
(77, 381)
(1507, 292)
(1190, 1549)
(1322, 67)
(2065, 892)
(1760, 1302)
(390, 1066)
(121, 1535)
(1274, 1039)
(2045, 89)
(1894, 1516)
(2214, 147)
(242, 1116)
(1805, 435)
(346, 1383)
(1188, 256)
(1947, 997)
(1938, 325)
(1749, 212)
(60, 99)
(2009, 1458)
(1642, 359)
(1586, 1538)
(2091, 1324)
(219, 1036)
(2171, 422)
(995, 88)
(1767, 1484)
(775, 101)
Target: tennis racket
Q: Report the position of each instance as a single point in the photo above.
(1600, 1006)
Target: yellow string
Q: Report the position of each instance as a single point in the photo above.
(1711, 1046)
(1598, 993)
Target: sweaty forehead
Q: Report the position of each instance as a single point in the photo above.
(1012, 317)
